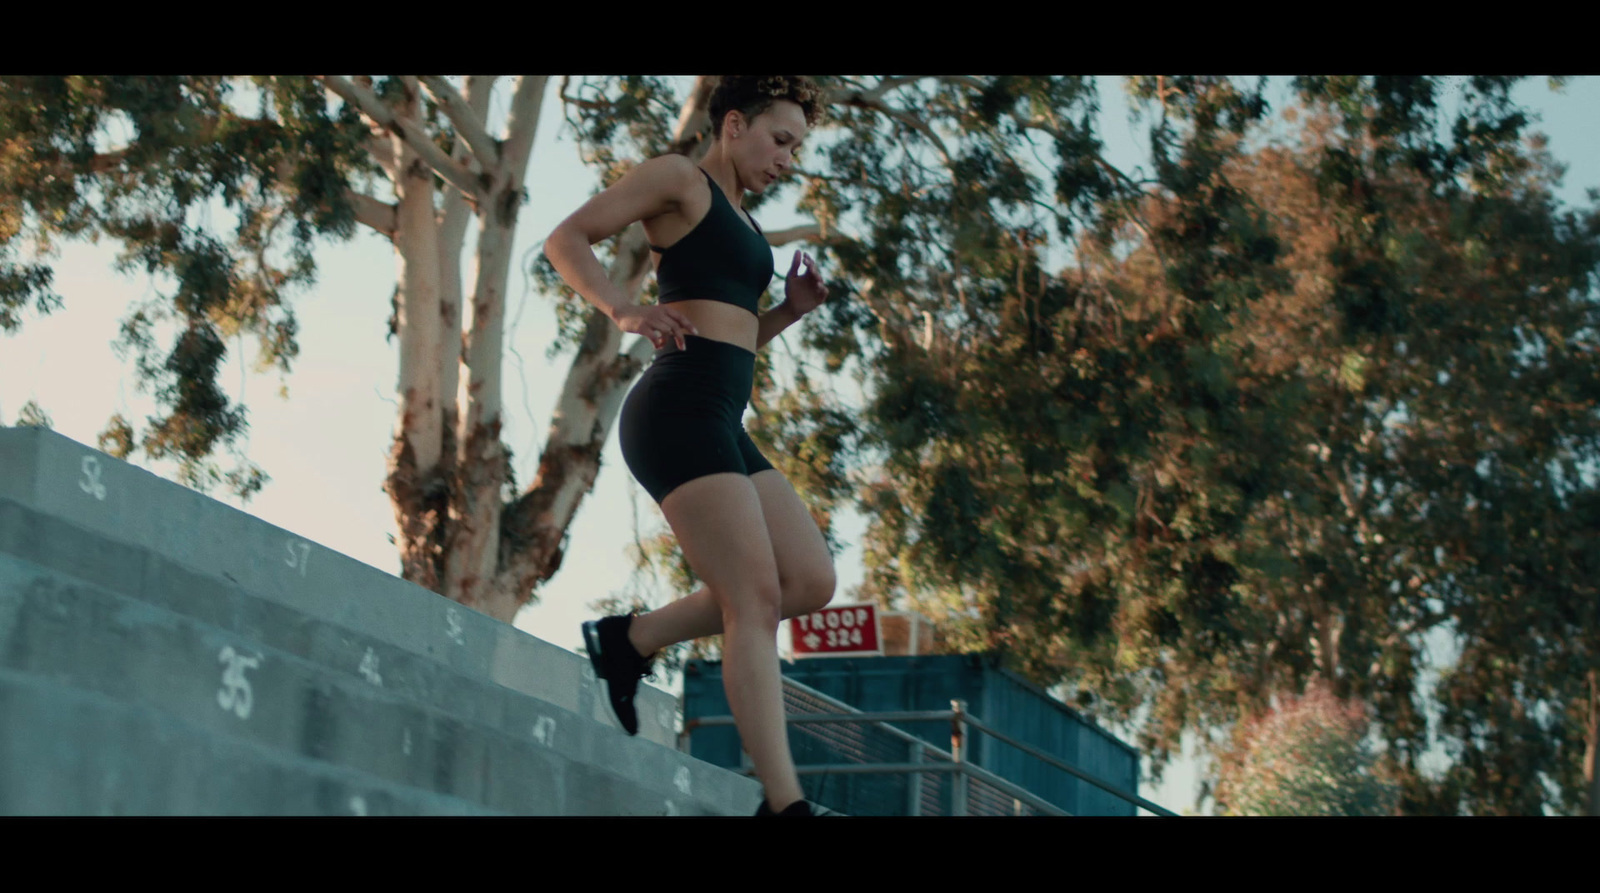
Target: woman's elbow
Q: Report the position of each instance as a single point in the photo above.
(555, 243)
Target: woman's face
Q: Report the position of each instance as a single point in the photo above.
(765, 146)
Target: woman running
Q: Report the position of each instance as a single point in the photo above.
(739, 522)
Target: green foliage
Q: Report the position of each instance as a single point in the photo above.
(34, 416)
(1307, 758)
(1287, 412)
(1302, 399)
(117, 438)
(143, 160)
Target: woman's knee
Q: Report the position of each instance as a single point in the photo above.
(760, 603)
(814, 591)
(718, 522)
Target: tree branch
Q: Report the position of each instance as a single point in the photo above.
(380, 216)
(694, 121)
(884, 313)
(580, 103)
(466, 122)
(410, 131)
(103, 162)
(809, 232)
(873, 99)
(382, 151)
(523, 122)
(1037, 123)
(964, 81)
(874, 95)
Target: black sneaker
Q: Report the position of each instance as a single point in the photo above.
(618, 663)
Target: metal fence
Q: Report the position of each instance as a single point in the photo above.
(898, 773)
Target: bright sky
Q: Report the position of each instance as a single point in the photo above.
(325, 447)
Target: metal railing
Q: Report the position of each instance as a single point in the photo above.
(927, 769)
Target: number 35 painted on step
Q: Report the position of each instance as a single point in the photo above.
(235, 693)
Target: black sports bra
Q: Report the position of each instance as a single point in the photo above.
(721, 259)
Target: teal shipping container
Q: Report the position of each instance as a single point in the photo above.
(994, 695)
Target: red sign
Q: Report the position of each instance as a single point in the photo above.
(837, 631)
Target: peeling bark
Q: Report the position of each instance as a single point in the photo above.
(473, 554)
(422, 512)
(415, 484)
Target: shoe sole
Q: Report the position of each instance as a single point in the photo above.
(591, 641)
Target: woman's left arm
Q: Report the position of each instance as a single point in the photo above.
(803, 292)
(774, 321)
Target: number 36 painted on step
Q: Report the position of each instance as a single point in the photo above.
(90, 483)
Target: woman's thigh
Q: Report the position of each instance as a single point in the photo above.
(805, 566)
(719, 523)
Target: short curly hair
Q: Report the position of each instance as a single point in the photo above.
(754, 94)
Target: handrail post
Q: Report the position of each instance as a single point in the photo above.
(914, 782)
(958, 751)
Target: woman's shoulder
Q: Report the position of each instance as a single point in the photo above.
(673, 165)
(674, 175)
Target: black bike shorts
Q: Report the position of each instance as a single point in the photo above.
(683, 419)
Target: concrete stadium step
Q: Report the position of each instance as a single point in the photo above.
(150, 636)
(142, 575)
(90, 639)
(51, 764)
(59, 478)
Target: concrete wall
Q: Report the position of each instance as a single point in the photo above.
(162, 653)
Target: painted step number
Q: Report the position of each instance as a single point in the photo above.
(235, 693)
(298, 560)
(369, 668)
(91, 478)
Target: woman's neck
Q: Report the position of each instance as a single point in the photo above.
(721, 169)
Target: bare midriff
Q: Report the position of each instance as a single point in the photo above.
(721, 322)
(717, 320)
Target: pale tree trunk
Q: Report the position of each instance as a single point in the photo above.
(448, 504)
(421, 460)
(418, 441)
(472, 558)
(452, 235)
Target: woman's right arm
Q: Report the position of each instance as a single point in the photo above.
(652, 188)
